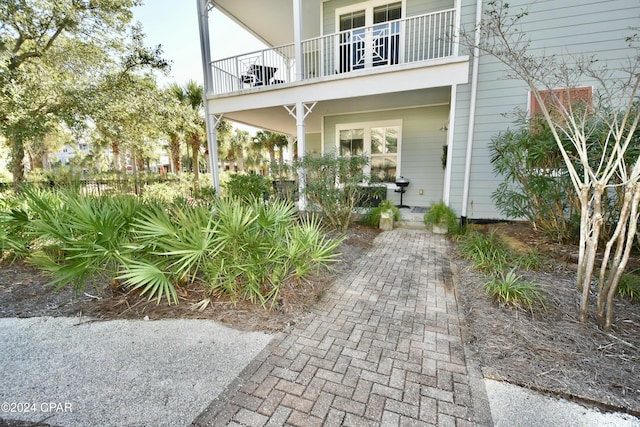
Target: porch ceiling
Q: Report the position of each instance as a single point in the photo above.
(277, 119)
(272, 21)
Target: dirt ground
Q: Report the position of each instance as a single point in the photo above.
(550, 352)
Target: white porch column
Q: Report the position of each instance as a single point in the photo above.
(302, 174)
(300, 111)
(205, 50)
(297, 38)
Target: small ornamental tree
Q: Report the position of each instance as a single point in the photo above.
(595, 175)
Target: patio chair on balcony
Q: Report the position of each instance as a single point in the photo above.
(247, 80)
(262, 74)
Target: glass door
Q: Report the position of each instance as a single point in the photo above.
(370, 37)
(352, 41)
(386, 34)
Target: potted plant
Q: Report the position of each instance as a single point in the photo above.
(441, 218)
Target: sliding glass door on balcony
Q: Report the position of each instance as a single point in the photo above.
(369, 37)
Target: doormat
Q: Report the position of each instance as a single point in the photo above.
(418, 210)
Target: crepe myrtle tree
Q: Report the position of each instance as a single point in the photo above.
(596, 175)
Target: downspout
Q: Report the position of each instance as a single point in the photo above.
(472, 114)
(446, 196)
(446, 191)
(205, 50)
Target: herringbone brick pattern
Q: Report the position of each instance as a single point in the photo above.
(382, 348)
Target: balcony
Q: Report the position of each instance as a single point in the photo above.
(378, 47)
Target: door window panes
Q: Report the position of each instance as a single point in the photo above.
(380, 143)
(352, 142)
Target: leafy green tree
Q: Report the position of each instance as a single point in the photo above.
(127, 115)
(51, 54)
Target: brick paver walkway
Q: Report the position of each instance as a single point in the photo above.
(383, 347)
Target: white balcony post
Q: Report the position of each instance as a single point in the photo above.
(297, 37)
(205, 49)
(456, 29)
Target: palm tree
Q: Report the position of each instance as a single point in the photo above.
(234, 148)
(269, 141)
(193, 124)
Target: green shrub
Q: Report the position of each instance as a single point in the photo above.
(81, 237)
(530, 260)
(333, 186)
(247, 250)
(440, 213)
(629, 286)
(249, 187)
(488, 252)
(510, 290)
(15, 238)
(372, 216)
(165, 192)
(239, 249)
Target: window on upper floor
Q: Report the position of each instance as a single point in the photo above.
(380, 141)
(558, 101)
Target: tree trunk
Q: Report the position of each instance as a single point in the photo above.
(174, 148)
(623, 238)
(115, 149)
(17, 161)
(591, 233)
(195, 149)
(240, 160)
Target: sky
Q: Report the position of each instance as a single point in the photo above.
(174, 25)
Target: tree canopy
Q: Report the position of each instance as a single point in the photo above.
(56, 57)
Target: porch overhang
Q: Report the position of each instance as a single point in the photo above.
(258, 17)
(369, 90)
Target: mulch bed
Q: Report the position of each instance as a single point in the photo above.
(551, 351)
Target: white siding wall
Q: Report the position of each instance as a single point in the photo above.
(566, 28)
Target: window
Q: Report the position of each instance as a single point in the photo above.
(557, 98)
(380, 141)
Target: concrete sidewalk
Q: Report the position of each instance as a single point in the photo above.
(67, 372)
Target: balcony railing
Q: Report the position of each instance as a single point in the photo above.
(387, 44)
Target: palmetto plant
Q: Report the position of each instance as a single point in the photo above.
(244, 250)
(263, 246)
(80, 236)
(15, 238)
(239, 248)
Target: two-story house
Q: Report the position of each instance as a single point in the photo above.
(389, 79)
